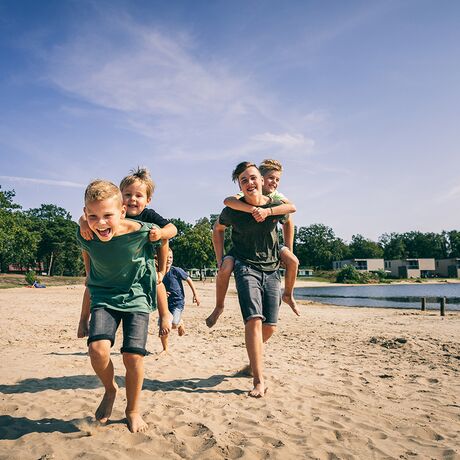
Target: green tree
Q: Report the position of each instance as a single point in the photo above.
(193, 248)
(453, 243)
(18, 241)
(424, 245)
(362, 248)
(317, 246)
(58, 247)
(393, 246)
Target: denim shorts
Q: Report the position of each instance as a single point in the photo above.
(104, 323)
(259, 293)
(176, 315)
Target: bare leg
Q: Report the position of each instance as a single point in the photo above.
(254, 347)
(134, 379)
(267, 332)
(99, 353)
(291, 263)
(181, 329)
(164, 342)
(222, 280)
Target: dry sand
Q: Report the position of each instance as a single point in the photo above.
(341, 386)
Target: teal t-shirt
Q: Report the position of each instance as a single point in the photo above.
(122, 271)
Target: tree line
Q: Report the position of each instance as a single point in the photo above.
(47, 235)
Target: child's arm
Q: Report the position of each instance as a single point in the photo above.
(166, 233)
(162, 256)
(288, 234)
(83, 325)
(235, 203)
(218, 233)
(192, 287)
(85, 231)
(259, 214)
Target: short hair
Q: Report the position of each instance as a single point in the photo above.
(241, 167)
(142, 175)
(99, 190)
(270, 165)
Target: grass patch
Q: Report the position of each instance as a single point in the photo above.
(10, 280)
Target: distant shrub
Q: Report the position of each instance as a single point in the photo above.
(31, 277)
(350, 275)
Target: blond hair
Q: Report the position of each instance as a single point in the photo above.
(99, 190)
(270, 165)
(143, 176)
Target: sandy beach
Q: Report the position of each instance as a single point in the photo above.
(344, 383)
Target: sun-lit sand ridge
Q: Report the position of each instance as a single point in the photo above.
(343, 383)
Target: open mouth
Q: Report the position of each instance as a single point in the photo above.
(104, 233)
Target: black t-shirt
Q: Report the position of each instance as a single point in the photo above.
(152, 217)
(254, 243)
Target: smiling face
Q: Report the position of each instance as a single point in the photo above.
(251, 182)
(104, 217)
(271, 181)
(135, 198)
(169, 261)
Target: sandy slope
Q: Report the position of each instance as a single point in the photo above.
(340, 386)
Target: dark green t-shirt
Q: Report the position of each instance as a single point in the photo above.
(122, 271)
(254, 243)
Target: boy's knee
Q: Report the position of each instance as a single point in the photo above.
(132, 360)
(99, 349)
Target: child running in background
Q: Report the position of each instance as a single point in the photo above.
(176, 297)
(137, 190)
(271, 173)
(121, 279)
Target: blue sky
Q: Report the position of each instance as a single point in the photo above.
(359, 100)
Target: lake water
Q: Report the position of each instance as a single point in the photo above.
(388, 295)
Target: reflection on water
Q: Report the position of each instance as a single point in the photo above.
(389, 296)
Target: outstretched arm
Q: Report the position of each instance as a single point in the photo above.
(192, 287)
(166, 233)
(235, 203)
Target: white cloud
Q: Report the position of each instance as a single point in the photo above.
(165, 88)
(285, 140)
(454, 192)
(59, 183)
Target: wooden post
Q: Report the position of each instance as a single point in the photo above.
(442, 306)
(423, 306)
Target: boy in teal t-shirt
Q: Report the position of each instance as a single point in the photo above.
(121, 281)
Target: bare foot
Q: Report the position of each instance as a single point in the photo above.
(211, 320)
(289, 299)
(181, 329)
(258, 391)
(136, 423)
(104, 411)
(163, 354)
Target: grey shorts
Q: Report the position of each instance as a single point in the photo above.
(259, 293)
(104, 323)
